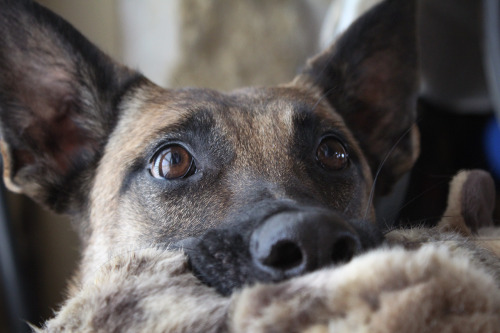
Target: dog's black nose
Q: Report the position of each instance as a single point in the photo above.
(294, 242)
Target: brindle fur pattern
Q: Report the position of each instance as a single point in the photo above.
(79, 132)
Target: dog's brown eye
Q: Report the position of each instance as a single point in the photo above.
(172, 162)
(331, 154)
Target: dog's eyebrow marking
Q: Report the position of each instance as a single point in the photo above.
(199, 122)
(303, 116)
(305, 119)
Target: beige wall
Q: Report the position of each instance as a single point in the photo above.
(98, 20)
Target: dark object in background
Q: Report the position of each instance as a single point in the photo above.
(450, 141)
(460, 61)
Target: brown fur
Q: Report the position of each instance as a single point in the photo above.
(106, 200)
(151, 290)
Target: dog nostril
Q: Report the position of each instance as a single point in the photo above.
(343, 249)
(284, 255)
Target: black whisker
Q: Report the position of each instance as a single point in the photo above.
(322, 97)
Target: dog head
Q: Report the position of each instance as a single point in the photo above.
(258, 184)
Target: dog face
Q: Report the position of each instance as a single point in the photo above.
(258, 184)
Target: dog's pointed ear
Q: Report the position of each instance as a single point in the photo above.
(369, 76)
(58, 104)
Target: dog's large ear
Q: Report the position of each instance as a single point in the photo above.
(58, 104)
(370, 77)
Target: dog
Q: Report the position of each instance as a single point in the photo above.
(255, 185)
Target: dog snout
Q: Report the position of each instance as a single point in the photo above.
(274, 242)
(292, 243)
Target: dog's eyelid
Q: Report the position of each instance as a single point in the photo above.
(335, 134)
(153, 149)
(164, 141)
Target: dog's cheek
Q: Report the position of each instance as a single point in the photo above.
(349, 194)
(156, 212)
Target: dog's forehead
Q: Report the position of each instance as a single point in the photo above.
(255, 123)
(241, 114)
(283, 108)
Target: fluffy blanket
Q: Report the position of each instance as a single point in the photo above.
(443, 279)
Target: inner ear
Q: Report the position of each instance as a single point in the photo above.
(60, 137)
(59, 102)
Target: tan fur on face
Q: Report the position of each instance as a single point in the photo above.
(132, 134)
(259, 126)
(263, 138)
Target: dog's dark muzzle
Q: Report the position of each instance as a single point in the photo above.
(294, 242)
(276, 244)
